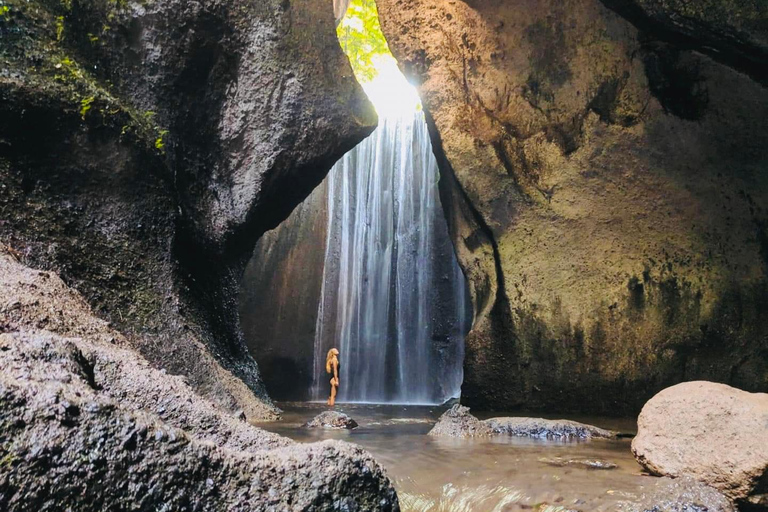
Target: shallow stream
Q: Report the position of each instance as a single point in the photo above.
(483, 475)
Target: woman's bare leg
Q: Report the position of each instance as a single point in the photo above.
(332, 400)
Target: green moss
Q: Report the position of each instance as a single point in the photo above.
(7, 461)
(85, 106)
(45, 54)
(59, 28)
(159, 143)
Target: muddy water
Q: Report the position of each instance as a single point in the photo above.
(501, 474)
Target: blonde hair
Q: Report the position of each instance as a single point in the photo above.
(331, 353)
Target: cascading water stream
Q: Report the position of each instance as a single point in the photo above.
(384, 288)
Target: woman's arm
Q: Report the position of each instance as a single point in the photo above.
(336, 371)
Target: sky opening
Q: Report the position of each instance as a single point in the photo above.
(374, 66)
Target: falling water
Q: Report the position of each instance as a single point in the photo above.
(386, 292)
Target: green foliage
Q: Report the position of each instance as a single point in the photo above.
(67, 70)
(5, 12)
(361, 38)
(59, 28)
(85, 106)
(159, 143)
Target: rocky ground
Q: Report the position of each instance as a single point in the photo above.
(87, 424)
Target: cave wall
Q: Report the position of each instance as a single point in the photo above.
(144, 148)
(605, 182)
(279, 296)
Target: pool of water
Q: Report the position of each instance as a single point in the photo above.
(499, 474)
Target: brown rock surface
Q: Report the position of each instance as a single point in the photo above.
(711, 432)
(607, 196)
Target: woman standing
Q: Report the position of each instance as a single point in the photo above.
(332, 367)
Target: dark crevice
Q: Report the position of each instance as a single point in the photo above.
(679, 85)
(88, 369)
(446, 172)
(726, 49)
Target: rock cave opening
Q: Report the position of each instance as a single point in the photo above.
(602, 175)
(366, 263)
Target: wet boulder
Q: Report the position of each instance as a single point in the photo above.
(549, 429)
(332, 419)
(679, 495)
(458, 422)
(712, 432)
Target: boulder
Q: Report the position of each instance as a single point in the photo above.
(87, 424)
(50, 332)
(678, 495)
(458, 422)
(549, 429)
(332, 420)
(712, 432)
(68, 448)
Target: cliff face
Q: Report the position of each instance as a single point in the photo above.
(144, 148)
(606, 190)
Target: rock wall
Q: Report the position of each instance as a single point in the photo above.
(279, 296)
(145, 146)
(606, 190)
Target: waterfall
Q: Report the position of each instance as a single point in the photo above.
(393, 299)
